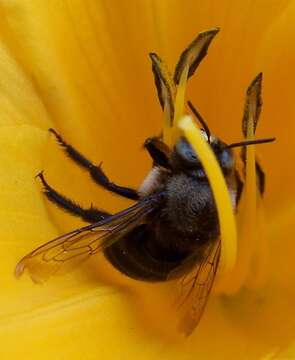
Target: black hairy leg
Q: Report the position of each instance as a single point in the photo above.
(158, 151)
(90, 215)
(95, 172)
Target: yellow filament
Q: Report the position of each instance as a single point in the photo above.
(179, 103)
(220, 192)
(260, 266)
(252, 266)
(246, 222)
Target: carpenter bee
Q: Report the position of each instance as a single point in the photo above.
(172, 229)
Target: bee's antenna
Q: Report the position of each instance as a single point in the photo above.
(201, 120)
(251, 142)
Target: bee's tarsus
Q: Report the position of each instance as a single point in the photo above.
(39, 175)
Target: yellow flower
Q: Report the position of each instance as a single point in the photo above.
(82, 68)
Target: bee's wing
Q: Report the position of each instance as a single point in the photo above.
(68, 250)
(196, 285)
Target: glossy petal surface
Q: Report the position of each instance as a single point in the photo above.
(82, 68)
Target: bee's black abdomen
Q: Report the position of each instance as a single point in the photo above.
(131, 257)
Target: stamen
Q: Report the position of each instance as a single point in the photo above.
(220, 192)
(188, 62)
(252, 267)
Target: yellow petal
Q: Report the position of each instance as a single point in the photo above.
(82, 67)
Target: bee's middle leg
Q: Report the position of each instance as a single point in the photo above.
(96, 172)
(90, 215)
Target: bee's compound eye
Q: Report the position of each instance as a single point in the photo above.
(186, 152)
(226, 160)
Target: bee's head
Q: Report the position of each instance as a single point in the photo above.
(185, 159)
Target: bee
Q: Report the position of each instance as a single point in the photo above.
(172, 230)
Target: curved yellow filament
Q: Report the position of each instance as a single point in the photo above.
(246, 223)
(220, 192)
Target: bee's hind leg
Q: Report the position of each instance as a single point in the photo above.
(90, 215)
(95, 172)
